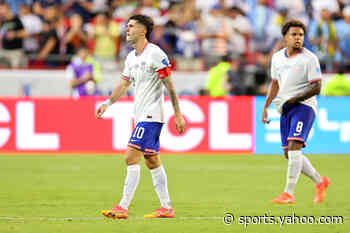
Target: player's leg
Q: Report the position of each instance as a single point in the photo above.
(307, 168)
(160, 183)
(285, 152)
(295, 164)
(159, 178)
(285, 122)
(321, 183)
(310, 171)
(293, 154)
(132, 158)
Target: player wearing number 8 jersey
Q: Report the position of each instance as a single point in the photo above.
(147, 70)
(296, 80)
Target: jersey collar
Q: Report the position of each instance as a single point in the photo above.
(286, 55)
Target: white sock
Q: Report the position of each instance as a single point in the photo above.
(310, 171)
(160, 183)
(295, 163)
(131, 181)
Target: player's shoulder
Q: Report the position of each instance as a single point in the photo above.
(131, 55)
(278, 55)
(309, 55)
(155, 49)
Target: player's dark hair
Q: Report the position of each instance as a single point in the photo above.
(146, 21)
(292, 23)
(82, 46)
(4, 3)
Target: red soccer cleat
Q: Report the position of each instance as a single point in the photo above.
(162, 213)
(284, 198)
(320, 189)
(116, 212)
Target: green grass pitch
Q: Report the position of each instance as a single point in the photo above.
(40, 194)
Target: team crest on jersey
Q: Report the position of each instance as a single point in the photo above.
(165, 62)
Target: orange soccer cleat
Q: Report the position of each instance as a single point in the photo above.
(320, 189)
(162, 213)
(284, 198)
(116, 212)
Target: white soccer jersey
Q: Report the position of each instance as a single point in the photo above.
(141, 70)
(294, 74)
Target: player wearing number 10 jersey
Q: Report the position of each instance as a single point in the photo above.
(296, 80)
(147, 69)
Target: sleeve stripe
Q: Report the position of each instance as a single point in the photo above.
(295, 138)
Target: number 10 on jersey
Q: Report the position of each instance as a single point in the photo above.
(138, 132)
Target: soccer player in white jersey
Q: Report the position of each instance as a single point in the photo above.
(147, 69)
(296, 80)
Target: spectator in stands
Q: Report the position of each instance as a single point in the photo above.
(215, 35)
(149, 8)
(12, 34)
(338, 85)
(318, 5)
(243, 5)
(260, 17)
(33, 25)
(39, 6)
(188, 45)
(215, 83)
(105, 34)
(172, 29)
(80, 74)
(241, 31)
(235, 82)
(263, 57)
(180, 38)
(81, 7)
(99, 6)
(50, 43)
(16, 4)
(75, 36)
(123, 9)
(343, 34)
(295, 8)
(322, 34)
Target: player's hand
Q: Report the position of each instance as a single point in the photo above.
(180, 123)
(292, 100)
(264, 117)
(10, 35)
(101, 110)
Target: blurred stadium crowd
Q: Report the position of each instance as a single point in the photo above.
(196, 34)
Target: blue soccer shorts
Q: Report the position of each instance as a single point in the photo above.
(296, 123)
(145, 137)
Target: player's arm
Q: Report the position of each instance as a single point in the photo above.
(180, 123)
(314, 89)
(118, 92)
(271, 94)
(76, 82)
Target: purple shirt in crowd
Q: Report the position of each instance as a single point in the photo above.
(77, 69)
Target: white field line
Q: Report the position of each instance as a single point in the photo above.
(54, 219)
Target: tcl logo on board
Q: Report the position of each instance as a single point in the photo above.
(70, 125)
(26, 138)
